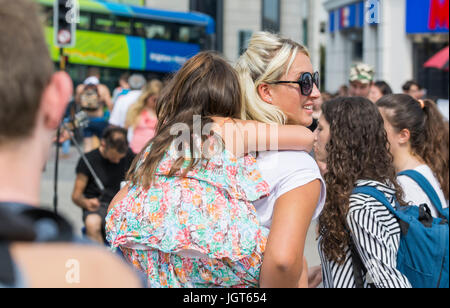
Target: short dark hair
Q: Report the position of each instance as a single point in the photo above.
(407, 86)
(384, 87)
(124, 77)
(116, 138)
(25, 68)
(93, 71)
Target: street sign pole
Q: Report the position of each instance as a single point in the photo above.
(65, 19)
(62, 67)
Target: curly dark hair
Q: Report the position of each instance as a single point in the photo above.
(358, 149)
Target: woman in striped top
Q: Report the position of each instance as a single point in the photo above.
(352, 141)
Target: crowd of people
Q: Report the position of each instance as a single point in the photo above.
(117, 129)
(213, 178)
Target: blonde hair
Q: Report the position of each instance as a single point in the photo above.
(268, 58)
(153, 88)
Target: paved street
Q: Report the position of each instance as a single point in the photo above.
(65, 185)
(71, 212)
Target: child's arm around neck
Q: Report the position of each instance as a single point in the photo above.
(242, 137)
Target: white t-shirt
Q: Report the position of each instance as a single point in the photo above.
(123, 103)
(414, 193)
(285, 171)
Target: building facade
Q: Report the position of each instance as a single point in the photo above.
(395, 36)
(237, 20)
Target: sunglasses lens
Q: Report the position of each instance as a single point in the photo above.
(307, 84)
(317, 79)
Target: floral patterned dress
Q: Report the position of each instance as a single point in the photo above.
(200, 230)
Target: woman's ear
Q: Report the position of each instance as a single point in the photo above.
(265, 93)
(404, 136)
(55, 99)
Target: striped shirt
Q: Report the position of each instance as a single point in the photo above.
(376, 236)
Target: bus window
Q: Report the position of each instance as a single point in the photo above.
(46, 15)
(103, 23)
(138, 29)
(85, 21)
(184, 34)
(189, 34)
(152, 30)
(122, 26)
(156, 31)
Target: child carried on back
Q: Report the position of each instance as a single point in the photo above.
(187, 219)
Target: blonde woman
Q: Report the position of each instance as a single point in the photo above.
(279, 86)
(141, 118)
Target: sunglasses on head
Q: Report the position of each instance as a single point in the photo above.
(306, 82)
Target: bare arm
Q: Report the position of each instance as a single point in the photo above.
(283, 259)
(78, 92)
(242, 137)
(119, 197)
(105, 95)
(78, 194)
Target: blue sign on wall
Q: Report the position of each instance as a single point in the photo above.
(332, 21)
(347, 17)
(427, 16)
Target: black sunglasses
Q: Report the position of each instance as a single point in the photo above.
(306, 82)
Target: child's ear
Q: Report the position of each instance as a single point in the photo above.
(265, 93)
(55, 99)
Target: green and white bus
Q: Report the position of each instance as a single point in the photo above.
(120, 38)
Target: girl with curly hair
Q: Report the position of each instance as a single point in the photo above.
(418, 136)
(352, 141)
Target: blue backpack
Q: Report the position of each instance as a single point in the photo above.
(424, 242)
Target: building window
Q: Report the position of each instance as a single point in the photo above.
(305, 31)
(244, 39)
(271, 15)
(213, 8)
(358, 51)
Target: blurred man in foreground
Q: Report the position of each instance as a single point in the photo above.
(37, 247)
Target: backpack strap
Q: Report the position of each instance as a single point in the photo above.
(378, 195)
(7, 276)
(359, 269)
(22, 223)
(358, 266)
(427, 188)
